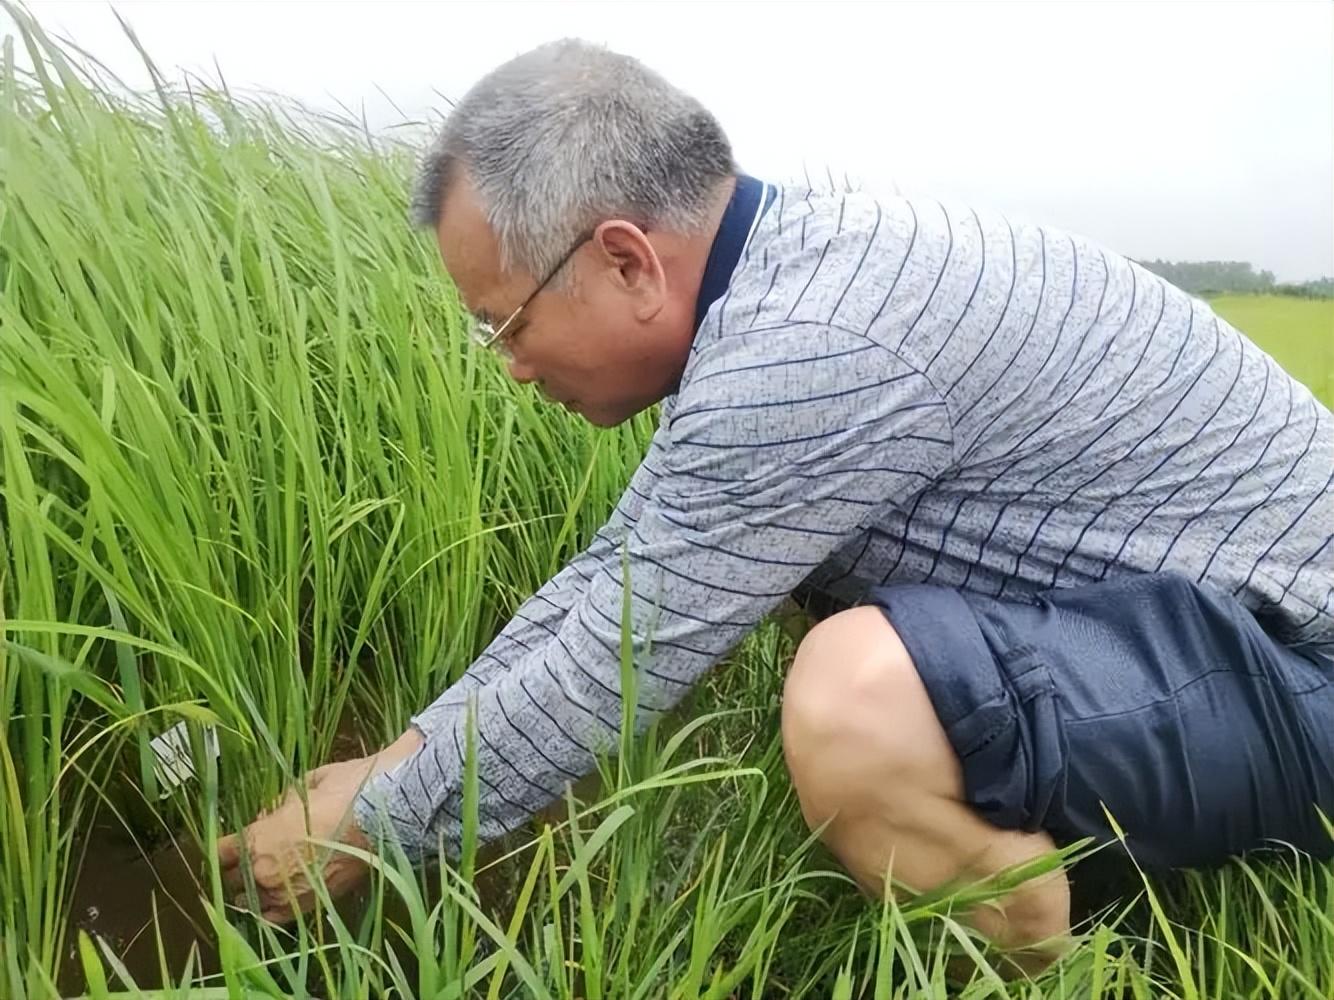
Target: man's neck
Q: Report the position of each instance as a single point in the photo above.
(695, 258)
(747, 200)
(700, 265)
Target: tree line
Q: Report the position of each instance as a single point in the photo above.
(1218, 277)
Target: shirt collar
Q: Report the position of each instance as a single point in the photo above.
(747, 204)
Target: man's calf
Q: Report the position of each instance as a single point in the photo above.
(867, 754)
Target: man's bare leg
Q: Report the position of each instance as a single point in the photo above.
(864, 746)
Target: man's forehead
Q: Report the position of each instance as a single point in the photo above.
(469, 249)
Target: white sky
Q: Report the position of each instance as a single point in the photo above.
(1187, 129)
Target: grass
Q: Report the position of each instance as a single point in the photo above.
(1297, 333)
(249, 478)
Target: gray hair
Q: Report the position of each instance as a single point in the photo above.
(567, 135)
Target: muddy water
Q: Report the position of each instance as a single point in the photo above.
(118, 886)
(122, 883)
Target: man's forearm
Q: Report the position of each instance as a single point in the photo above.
(385, 759)
(402, 748)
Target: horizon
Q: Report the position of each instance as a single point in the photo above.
(1205, 132)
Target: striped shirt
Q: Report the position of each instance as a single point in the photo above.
(893, 390)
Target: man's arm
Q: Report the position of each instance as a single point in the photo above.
(278, 843)
(764, 474)
(541, 614)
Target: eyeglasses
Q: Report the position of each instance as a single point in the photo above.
(484, 334)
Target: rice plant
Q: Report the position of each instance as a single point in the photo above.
(252, 481)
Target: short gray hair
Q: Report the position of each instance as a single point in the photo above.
(570, 134)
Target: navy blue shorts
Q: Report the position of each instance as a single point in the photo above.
(1167, 702)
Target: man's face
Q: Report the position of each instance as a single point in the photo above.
(609, 346)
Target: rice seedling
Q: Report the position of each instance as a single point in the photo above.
(253, 483)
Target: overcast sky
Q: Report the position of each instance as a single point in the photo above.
(1187, 130)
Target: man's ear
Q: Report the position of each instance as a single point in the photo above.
(626, 250)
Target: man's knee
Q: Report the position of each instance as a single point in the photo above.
(840, 662)
(868, 757)
(856, 715)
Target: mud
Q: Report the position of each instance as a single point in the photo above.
(130, 897)
(123, 883)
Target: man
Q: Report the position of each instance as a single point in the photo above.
(1081, 526)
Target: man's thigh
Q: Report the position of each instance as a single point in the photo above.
(1164, 702)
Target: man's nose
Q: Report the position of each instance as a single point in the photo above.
(521, 372)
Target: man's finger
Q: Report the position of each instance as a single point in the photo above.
(279, 906)
(264, 901)
(279, 910)
(278, 915)
(229, 851)
(233, 882)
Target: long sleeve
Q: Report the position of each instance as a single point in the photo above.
(541, 615)
(761, 470)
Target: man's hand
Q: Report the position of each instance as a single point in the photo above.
(279, 841)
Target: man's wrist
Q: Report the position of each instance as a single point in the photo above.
(400, 750)
(367, 825)
(353, 834)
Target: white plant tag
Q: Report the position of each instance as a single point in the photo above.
(173, 765)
